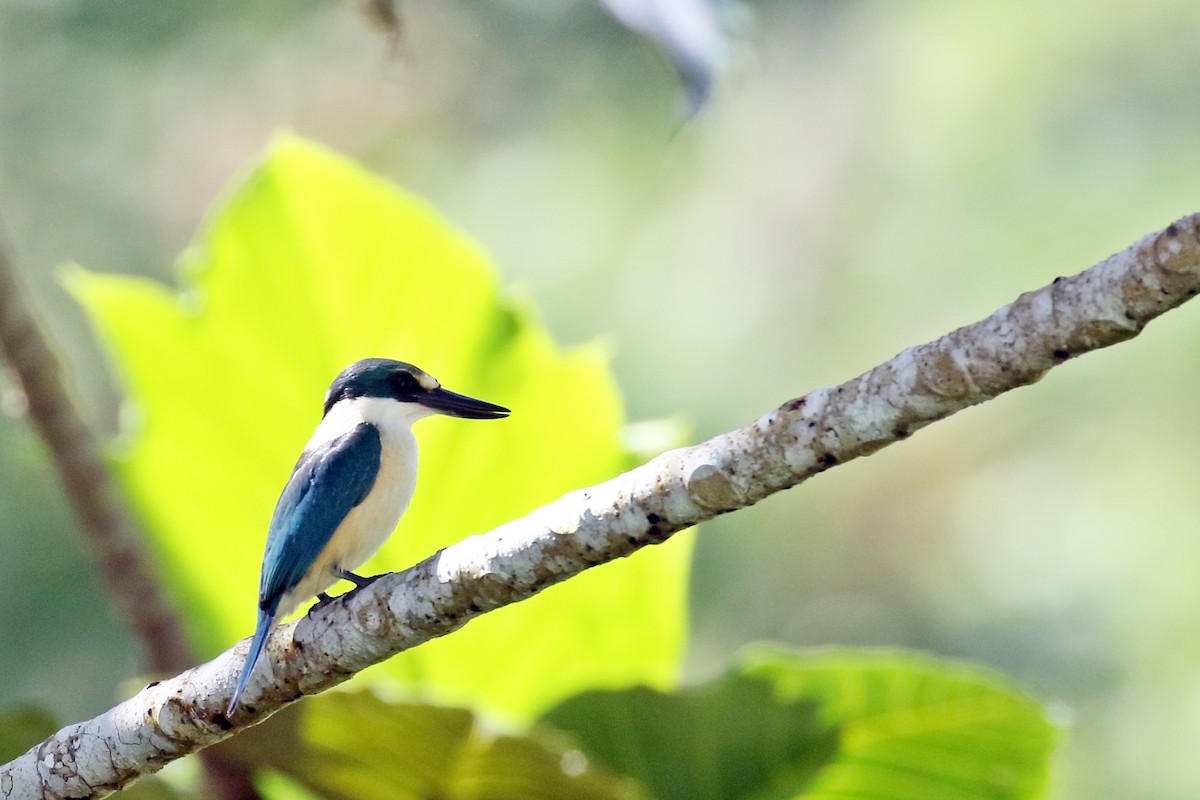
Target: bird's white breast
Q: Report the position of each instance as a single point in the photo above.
(371, 522)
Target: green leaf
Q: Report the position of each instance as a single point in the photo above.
(352, 745)
(310, 265)
(21, 727)
(846, 724)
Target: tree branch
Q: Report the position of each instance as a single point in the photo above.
(1015, 346)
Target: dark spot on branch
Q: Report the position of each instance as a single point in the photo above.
(151, 685)
(653, 518)
(1061, 355)
(656, 534)
(633, 540)
(474, 607)
(826, 460)
(591, 557)
(794, 405)
(1172, 231)
(1059, 278)
(901, 432)
(812, 423)
(222, 721)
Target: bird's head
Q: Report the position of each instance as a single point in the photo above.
(394, 380)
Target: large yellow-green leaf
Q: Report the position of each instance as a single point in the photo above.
(818, 725)
(310, 265)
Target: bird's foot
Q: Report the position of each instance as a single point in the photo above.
(322, 600)
(359, 581)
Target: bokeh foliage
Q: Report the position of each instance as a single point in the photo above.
(782, 724)
(868, 176)
(312, 263)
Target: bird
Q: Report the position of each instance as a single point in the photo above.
(348, 490)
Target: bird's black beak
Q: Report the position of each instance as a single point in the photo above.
(459, 405)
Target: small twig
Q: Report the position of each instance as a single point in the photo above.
(1015, 346)
(117, 546)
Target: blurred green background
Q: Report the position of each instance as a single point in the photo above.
(867, 176)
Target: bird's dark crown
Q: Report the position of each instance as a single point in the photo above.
(379, 377)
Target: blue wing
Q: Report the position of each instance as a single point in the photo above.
(326, 484)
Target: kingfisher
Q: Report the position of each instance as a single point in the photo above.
(348, 490)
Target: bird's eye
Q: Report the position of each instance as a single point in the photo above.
(404, 382)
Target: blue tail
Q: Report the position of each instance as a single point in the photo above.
(265, 618)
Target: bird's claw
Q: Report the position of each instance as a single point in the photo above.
(359, 581)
